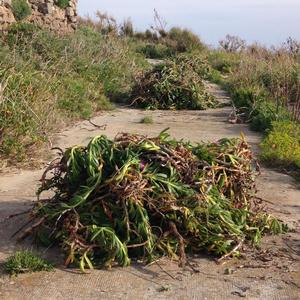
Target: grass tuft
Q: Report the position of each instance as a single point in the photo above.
(26, 262)
(147, 120)
(20, 9)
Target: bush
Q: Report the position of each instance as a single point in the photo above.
(20, 34)
(80, 98)
(20, 9)
(183, 40)
(246, 97)
(195, 62)
(265, 114)
(62, 3)
(254, 105)
(51, 80)
(224, 62)
(282, 145)
(232, 43)
(156, 51)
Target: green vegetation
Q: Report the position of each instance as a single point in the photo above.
(155, 51)
(26, 262)
(183, 40)
(281, 147)
(136, 197)
(159, 43)
(20, 9)
(49, 80)
(143, 198)
(264, 86)
(147, 120)
(62, 3)
(173, 85)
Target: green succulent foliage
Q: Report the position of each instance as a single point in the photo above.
(119, 200)
(20, 9)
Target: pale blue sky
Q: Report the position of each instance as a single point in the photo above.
(265, 21)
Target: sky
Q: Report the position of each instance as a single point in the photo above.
(268, 22)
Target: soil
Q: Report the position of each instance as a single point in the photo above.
(271, 272)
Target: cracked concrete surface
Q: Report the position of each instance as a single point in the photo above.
(272, 272)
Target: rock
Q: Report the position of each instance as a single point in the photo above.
(6, 17)
(44, 13)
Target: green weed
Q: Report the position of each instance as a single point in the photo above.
(62, 3)
(26, 262)
(282, 145)
(156, 51)
(147, 120)
(49, 80)
(20, 9)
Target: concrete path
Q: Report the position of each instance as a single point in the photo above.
(272, 272)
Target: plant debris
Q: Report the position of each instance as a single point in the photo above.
(136, 197)
(172, 85)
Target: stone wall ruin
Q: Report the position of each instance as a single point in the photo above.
(44, 13)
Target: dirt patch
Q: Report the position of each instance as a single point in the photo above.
(269, 273)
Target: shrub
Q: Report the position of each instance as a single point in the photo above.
(224, 62)
(20, 9)
(80, 98)
(127, 28)
(50, 80)
(232, 43)
(183, 40)
(254, 105)
(282, 145)
(62, 3)
(156, 51)
(195, 62)
(26, 262)
(265, 114)
(20, 34)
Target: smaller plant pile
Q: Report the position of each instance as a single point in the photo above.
(175, 85)
(26, 262)
(142, 198)
(195, 62)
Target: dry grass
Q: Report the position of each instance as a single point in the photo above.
(47, 81)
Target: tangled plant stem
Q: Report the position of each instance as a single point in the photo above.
(139, 197)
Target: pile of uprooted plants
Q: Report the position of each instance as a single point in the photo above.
(176, 84)
(136, 197)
